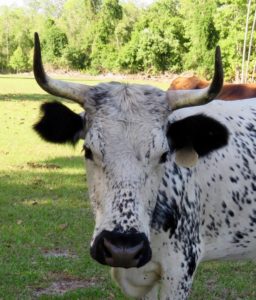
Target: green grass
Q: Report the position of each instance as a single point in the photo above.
(44, 206)
(42, 187)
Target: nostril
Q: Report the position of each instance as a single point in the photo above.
(139, 254)
(137, 250)
(107, 247)
(106, 251)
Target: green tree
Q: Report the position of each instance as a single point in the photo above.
(125, 26)
(15, 24)
(97, 35)
(78, 22)
(157, 43)
(54, 42)
(74, 58)
(230, 21)
(198, 16)
(104, 47)
(19, 60)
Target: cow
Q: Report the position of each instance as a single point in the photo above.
(171, 176)
(230, 91)
(188, 83)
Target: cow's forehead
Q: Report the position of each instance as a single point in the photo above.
(115, 137)
(126, 118)
(125, 101)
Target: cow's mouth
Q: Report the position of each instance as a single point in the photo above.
(123, 250)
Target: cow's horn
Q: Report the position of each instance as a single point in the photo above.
(73, 91)
(183, 98)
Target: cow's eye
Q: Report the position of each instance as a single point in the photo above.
(163, 158)
(88, 153)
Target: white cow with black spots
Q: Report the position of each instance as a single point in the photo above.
(170, 186)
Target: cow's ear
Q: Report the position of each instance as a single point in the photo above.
(194, 137)
(58, 124)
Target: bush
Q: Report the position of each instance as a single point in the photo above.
(19, 61)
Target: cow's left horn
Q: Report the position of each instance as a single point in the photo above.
(184, 98)
(73, 91)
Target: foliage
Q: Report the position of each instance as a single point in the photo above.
(114, 36)
(74, 58)
(104, 46)
(230, 19)
(54, 42)
(201, 34)
(156, 44)
(19, 60)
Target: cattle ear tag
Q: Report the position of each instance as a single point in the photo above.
(186, 157)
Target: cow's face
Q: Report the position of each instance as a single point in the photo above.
(125, 151)
(124, 130)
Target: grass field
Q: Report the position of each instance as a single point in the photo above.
(46, 221)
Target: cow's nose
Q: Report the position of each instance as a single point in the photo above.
(123, 250)
(122, 255)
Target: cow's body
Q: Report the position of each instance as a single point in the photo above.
(230, 91)
(211, 216)
(167, 187)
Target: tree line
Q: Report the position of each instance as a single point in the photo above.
(99, 36)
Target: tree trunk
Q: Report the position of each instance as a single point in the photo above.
(245, 38)
(250, 46)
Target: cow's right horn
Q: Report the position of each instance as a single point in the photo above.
(184, 98)
(73, 91)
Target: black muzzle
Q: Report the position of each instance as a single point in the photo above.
(122, 250)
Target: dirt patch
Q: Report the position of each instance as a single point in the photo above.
(64, 285)
(43, 166)
(58, 253)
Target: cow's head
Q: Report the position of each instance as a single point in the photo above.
(124, 129)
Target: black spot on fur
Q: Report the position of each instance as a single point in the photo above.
(231, 213)
(191, 262)
(163, 158)
(58, 124)
(88, 153)
(166, 215)
(224, 205)
(201, 132)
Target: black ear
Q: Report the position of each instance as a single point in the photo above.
(202, 133)
(59, 124)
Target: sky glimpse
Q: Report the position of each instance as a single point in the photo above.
(21, 2)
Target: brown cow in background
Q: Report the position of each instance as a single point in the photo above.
(188, 83)
(230, 91)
